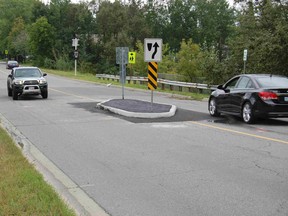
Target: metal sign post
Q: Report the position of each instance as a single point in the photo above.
(75, 44)
(245, 53)
(122, 60)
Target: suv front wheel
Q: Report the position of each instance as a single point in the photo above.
(14, 94)
(9, 90)
(44, 94)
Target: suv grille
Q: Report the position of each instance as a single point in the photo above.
(31, 82)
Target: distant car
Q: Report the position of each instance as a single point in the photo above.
(12, 64)
(251, 96)
(27, 81)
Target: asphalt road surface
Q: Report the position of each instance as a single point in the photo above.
(189, 164)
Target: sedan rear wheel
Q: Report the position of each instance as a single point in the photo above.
(213, 108)
(247, 113)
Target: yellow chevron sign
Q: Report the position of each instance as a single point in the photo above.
(152, 75)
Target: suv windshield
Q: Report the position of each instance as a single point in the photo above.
(273, 81)
(28, 73)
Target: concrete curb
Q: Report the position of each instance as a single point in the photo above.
(126, 113)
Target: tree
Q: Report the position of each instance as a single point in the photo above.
(182, 23)
(18, 40)
(261, 30)
(119, 25)
(42, 40)
(137, 27)
(10, 11)
(215, 20)
(189, 60)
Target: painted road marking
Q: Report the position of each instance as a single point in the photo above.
(74, 95)
(239, 132)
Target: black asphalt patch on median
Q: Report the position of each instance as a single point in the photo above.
(180, 115)
(137, 106)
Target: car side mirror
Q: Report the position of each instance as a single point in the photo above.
(44, 74)
(226, 90)
(10, 75)
(220, 87)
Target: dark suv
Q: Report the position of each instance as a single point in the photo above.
(26, 81)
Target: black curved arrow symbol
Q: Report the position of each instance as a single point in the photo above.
(155, 51)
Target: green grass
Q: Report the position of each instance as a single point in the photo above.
(23, 191)
(92, 78)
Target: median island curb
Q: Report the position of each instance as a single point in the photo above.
(138, 108)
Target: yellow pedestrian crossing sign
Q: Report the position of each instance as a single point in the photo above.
(132, 57)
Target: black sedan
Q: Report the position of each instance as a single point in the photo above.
(12, 64)
(251, 96)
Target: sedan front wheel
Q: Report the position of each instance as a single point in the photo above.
(213, 108)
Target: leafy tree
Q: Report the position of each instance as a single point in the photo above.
(137, 28)
(215, 20)
(189, 60)
(215, 72)
(11, 10)
(18, 39)
(157, 17)
(261, 30)
(140, 67)
(182, 23)
(42, 40)
(119, 25)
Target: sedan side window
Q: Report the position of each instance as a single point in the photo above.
(231, 84)
(244, 83)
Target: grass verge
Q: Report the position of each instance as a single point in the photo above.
(23, 191)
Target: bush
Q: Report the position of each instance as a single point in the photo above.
(86, 67)
(49, 63)
(63, 63)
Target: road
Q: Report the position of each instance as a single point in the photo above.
(190, 164)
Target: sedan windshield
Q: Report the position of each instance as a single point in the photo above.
(28, 73)
(12, 62)
(273, 81)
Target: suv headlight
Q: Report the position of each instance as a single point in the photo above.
(18, 82)
(42, 81)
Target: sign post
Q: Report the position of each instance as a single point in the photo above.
(152, 55)
(76, 54)
(122, 60)
(245, 53)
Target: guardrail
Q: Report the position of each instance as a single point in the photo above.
(163, 84)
